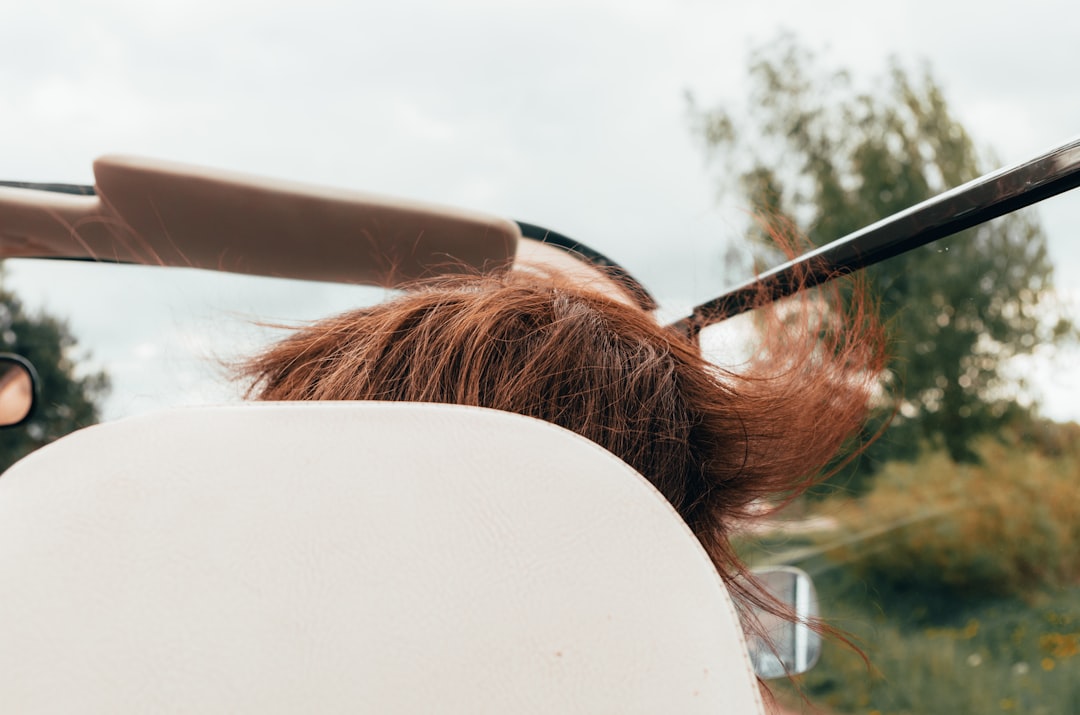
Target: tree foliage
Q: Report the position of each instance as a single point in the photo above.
(831, 159)
(66, 400)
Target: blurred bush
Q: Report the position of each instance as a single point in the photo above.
(1007, 525)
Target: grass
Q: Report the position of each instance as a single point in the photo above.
(1005, 654)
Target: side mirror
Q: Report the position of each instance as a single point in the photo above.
(789, 647)
(18, 389)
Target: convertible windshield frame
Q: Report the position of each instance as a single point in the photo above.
(983, 199)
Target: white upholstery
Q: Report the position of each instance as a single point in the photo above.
(353, 558)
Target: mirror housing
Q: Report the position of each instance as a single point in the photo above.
(18, 389)
(788, 647)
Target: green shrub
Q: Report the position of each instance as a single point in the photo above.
(1004, 526)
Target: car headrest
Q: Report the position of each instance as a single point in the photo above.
(353, 557)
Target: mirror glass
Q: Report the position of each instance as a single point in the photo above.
(16, 390)
(787, 648)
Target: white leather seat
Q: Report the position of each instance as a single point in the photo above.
(359, 558)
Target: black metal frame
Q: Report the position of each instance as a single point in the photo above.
(76, 189)
(973, 203)
(593, 257)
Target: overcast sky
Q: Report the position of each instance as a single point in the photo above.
(567, 114)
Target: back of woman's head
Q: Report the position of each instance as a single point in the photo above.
(713, 441)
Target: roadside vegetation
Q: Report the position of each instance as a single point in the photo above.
(960, 582)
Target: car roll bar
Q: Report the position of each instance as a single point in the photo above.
(987, 197)
(155, 212)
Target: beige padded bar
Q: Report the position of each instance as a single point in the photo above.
(164, 213)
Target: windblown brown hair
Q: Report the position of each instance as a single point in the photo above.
(717, 443)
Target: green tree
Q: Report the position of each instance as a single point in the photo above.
(66, 401)
(816, 152)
